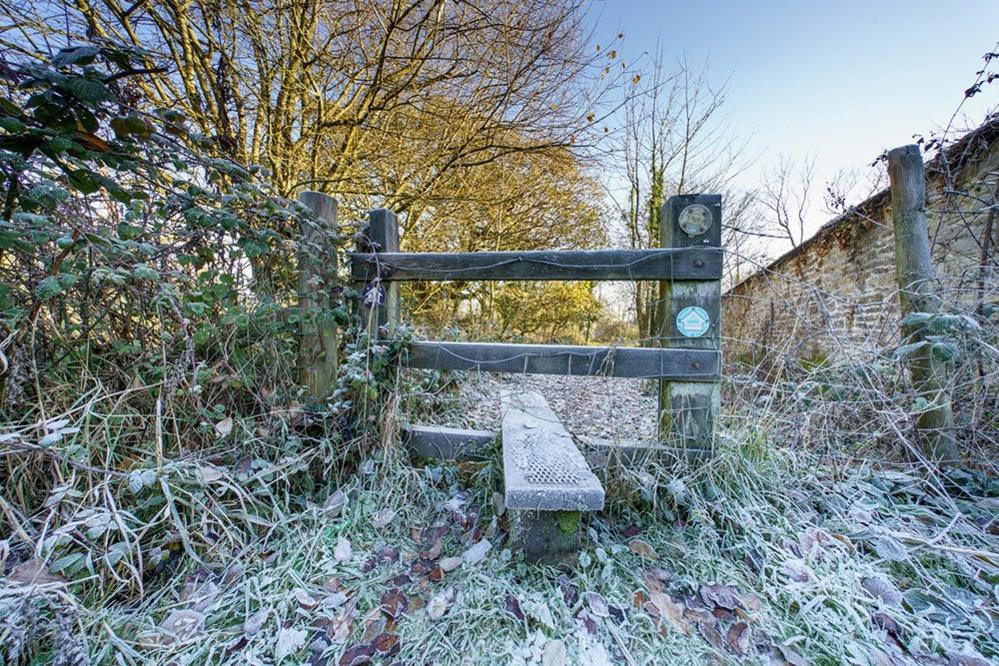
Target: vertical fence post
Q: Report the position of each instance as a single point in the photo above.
(688, 315)
(916, 293)
(379, 301)
(317, 357)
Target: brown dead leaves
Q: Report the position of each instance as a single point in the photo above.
(720, 614)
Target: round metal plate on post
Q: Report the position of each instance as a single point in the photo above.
(693, 322)
(695, 220)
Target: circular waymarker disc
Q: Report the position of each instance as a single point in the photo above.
(695, 219)
(693, 322)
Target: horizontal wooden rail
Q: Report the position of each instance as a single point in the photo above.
(688, 263)
(696, 365)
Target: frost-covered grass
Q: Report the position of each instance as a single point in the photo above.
(758, 557)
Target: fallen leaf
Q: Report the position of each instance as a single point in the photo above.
(723, 596)
(537, 608)
(210, 473)
(334, 504)
(335, 600)
(476, 553)
(597, 604)
(651, 580)
(499, 504)
(386, 644)
(668, 610)
(792, 657)
(233, 574)
(752, 602)
(421, 567)
(394, 602)
(382, 518)
(304, 599)
(34, 572)
(374, 626)
(643, 549)
(357, 654)
(439, 604)
(289, 641)
(737, 638)
(710, 634)
(199, 594)
(449, 564)
(343, 551)
(632, 530)
(435, 550)
(255, 622)
(883, 590)
(886, 623)
(181, 626)
(891, 549)
(798, 570)
(554, 653)
(513, 607)
(224, 427)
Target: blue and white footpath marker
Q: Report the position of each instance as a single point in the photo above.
(693, 322)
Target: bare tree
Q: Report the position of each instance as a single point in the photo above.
(674, 140)
(785, 198)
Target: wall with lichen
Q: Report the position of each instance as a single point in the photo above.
(835, 296)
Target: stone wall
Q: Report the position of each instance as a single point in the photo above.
(835, 295)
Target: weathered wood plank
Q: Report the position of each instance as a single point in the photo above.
(661, 264)
(443, 443)
(639, 362)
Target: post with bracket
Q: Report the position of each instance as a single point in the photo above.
(379, 299)
(689, 317)
(317, 279)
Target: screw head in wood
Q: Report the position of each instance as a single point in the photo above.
(698, 263)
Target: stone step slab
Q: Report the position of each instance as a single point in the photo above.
(542, 468)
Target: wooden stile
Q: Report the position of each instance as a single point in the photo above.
(686, 360)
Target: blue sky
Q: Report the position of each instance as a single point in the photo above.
(835, 81)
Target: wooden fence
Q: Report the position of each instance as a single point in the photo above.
(685, 357)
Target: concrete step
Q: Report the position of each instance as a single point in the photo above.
(547, 481)
(447, 444)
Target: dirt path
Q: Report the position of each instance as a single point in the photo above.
(609, 407)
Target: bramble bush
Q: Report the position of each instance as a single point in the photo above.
(149, 332)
